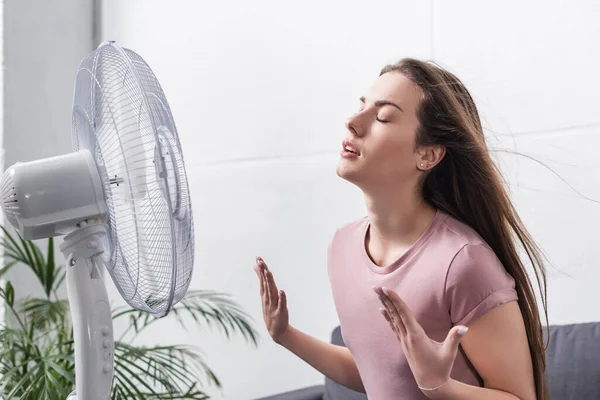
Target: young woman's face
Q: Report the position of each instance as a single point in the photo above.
(382, 135)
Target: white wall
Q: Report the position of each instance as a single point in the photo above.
(43, 43)
(534, 74)
(260, 91)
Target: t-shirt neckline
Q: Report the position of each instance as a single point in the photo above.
(382, 270)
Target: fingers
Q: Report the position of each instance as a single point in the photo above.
(270, 288)
(391, 314)
(260, 269)
(282, 301)
(454, 337)
(260, 275)
(264, 273)
(404, 312)
(386, 315)
(273, 291)
(384, 312)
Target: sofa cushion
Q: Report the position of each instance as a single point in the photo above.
(308, 393)
(333, 390)
(573, 361)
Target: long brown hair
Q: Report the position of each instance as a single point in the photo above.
(467, 185)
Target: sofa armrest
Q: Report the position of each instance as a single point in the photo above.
(307, 393)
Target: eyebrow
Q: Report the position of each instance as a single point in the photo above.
(381, 103)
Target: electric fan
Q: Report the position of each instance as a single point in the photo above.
(122, 200)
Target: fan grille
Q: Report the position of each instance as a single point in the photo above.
(9, 198)
(120, 114)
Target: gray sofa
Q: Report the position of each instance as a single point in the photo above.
(573, 368)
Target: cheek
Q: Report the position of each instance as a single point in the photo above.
(396, 148)
(394, 156)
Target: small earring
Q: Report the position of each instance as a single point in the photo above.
(421, 165)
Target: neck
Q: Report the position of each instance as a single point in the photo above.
(397, 218)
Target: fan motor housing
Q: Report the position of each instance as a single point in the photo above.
(49, 197)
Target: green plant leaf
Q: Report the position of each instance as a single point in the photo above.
(24, 382)
(11, 244)
(36, 356)
(61, 274)
(206, 308)
(124, 376)
(45, 311)
(45, 269)
(28, 256)
(7, 268)
(173, 368)
(10, 294)
(68, 375)
(50, 265)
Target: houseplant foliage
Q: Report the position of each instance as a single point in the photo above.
(36, 338)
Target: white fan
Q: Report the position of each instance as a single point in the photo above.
(122, 200)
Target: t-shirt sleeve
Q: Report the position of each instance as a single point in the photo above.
(476, 283)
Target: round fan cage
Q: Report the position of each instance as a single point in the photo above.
(120, 114)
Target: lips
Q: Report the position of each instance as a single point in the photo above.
(346, 145)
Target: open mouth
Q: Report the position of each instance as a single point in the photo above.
(351, 150)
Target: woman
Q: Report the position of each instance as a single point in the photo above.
(437, 253)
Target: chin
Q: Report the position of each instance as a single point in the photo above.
(349, 174)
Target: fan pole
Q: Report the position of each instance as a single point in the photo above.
(90, 312)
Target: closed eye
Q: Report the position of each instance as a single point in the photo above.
(382, 121)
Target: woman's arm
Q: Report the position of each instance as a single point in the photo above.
(496, 344)
(335, 362)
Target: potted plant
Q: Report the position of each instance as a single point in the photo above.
(36, 338)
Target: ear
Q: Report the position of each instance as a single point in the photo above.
(428, 157)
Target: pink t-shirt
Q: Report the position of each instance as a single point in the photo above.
(450, 276)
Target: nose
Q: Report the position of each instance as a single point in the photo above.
(353, 124)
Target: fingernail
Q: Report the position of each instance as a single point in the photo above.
(462, 330)
(384, 290)
(265, 272)
(382, 311)
(375, 289)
